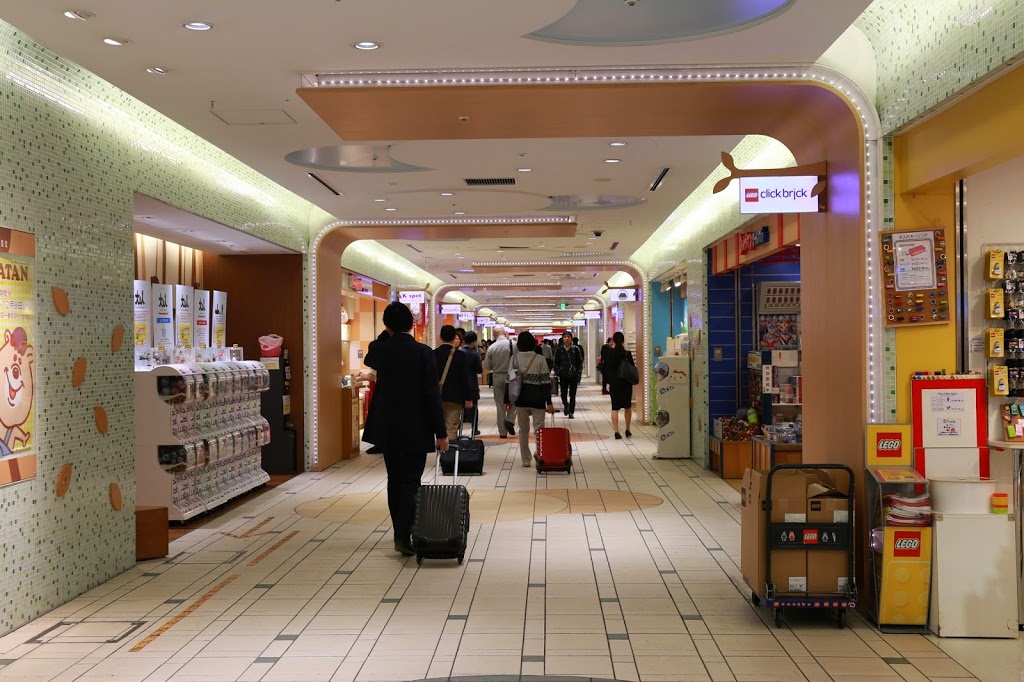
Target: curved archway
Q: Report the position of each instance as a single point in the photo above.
(817, 113)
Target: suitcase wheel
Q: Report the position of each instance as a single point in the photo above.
(461, 557)
(419, 559)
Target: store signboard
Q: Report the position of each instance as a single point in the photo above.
(18, 457)
(183, 319)
(162, 298)
(361, 285)
(467, 316)
(484, 322)
(626, 295)
(889, 444)
(220, 319)
(201, 301)
(142, 332)
(579, 323)
(411, 298)
(450, 309)
(591, 314)
(783, 194)
(749, 241)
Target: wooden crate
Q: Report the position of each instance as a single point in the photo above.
(783, 454)
(730, 458)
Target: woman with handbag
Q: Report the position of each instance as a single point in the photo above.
(529, 391)
(622, 376)
(568, 368)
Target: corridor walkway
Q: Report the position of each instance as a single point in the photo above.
(627, 569)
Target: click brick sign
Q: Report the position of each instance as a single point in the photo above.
(783, 194)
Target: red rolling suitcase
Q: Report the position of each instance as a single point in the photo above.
(554, 449)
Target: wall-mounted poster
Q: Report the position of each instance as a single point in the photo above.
(915, 277)
(183, 320)
(18, 457)
(220, 319)
(201, 314)
(162, 302)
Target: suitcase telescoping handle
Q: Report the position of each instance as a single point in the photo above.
(462, 420)
(437, 466)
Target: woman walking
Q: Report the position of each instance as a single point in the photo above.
(621, 389)
(534, 396)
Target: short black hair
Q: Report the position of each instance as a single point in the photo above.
(447, 333)
(398, 317)
(618, 338)
(471, 337)
(525, 342)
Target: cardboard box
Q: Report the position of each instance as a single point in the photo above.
(789, 567)
(799, 496)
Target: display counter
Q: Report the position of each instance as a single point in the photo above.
(767, 454)
(730, 458)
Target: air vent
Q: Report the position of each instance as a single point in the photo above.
(522, 275)
(490, 182)
(513, 248)
(414, 248)
(614, 246)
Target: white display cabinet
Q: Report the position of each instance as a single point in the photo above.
(198, 434)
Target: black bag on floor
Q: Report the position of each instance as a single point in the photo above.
(469, 452)
(441, 526)
(554, 384)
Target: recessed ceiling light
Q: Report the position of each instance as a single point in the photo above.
(185, 231)
(612, 160)
(616, 144)
(79, 14)
(447, 194)
(463, 213)
(524, 170)
(391, 209)
(117, 42)
(158, 70)
(197, 26)
(366, 45)
(380, 200)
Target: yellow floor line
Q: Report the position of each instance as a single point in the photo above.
(274, 546)
(249, 533)
(184, 614)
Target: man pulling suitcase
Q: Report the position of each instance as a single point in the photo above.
(405, 419)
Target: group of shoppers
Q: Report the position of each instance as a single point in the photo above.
(428, 391)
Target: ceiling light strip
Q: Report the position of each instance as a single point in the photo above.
(489, 220)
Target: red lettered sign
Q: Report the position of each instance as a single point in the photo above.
(906, 544)
(810, 536)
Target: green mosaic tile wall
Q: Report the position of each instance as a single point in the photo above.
(700, 220)
(928, 51)
(73, 149)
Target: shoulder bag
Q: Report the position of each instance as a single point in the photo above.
(515, 385)
(628, 371)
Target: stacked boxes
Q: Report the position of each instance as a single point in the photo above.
(805, 496)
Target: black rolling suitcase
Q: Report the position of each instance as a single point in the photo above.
(470, 453)
(441, 527)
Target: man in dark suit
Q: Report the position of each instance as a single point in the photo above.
(405, 419)
(457, 382)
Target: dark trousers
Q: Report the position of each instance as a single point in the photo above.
(569, 393)
(404, 472)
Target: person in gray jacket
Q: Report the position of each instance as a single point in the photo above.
(499, 354)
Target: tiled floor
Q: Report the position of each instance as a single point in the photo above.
(594, 585)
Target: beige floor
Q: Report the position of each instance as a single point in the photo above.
(626, 569)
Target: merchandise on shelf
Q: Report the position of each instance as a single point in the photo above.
(198, 435)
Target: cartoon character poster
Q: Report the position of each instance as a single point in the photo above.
(17, 357)
(779, 332)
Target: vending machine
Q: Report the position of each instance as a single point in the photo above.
(672, 389)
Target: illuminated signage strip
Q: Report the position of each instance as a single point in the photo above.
(783, 194)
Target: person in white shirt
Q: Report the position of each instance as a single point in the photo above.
(499, 354)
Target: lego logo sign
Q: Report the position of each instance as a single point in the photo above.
(810, 537)
(889, 445)
(907, 544)
(751, 194)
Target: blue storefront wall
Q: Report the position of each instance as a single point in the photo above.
(730, 327)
